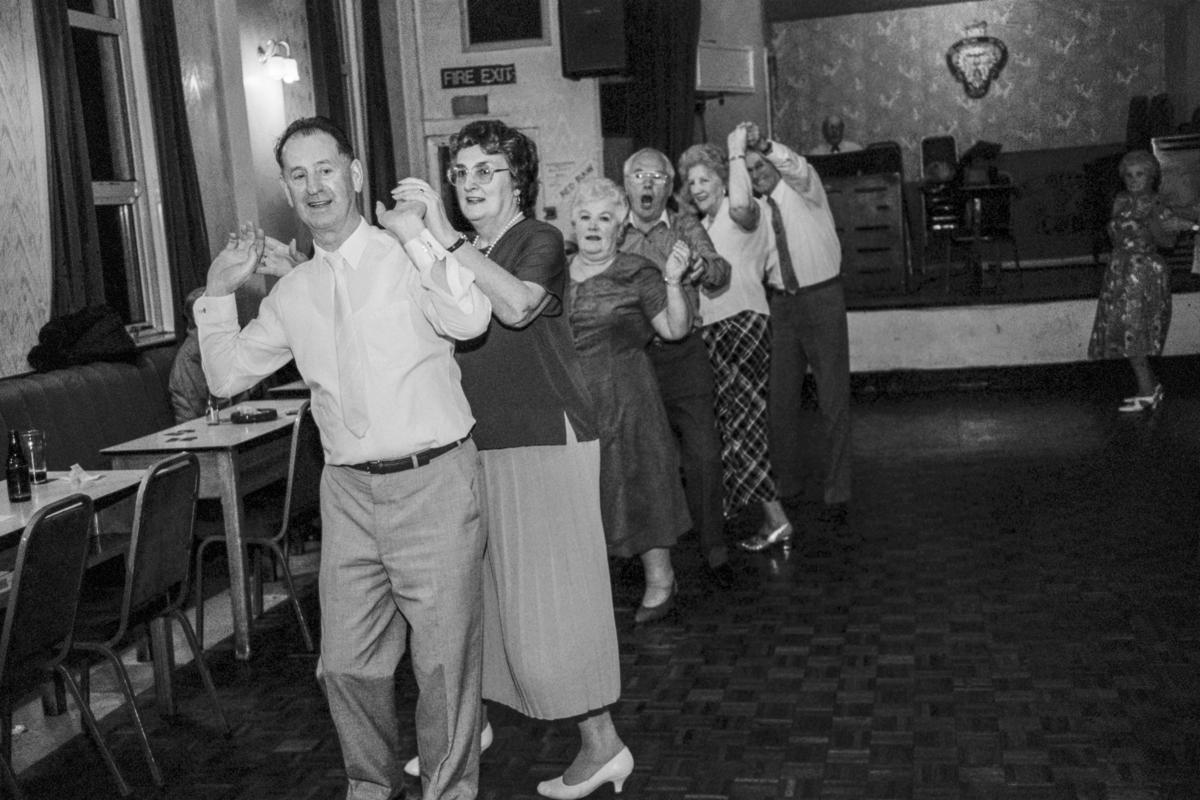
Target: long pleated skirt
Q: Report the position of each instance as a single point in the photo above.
(549, 636)
(739, 348)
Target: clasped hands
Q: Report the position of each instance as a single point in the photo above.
(249, 251)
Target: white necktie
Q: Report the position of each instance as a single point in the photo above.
(351, 370)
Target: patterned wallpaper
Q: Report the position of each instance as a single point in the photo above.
(24, 235)
(1072, 68)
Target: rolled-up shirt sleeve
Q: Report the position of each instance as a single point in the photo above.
(236, 359)
(459, 310)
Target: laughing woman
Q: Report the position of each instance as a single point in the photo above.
(549, 638)
(736, 326)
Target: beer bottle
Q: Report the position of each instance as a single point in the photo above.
(18, 470)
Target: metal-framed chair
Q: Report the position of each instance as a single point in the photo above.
(40, 619)
(151, 593)
(268, 525)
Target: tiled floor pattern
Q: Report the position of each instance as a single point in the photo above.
(1012, 613)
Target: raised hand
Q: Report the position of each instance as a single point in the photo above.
(677, 262)
(436, 219)
(405, 220)
(234, 265)
(279, 259)
(754, 138)
(737, 141)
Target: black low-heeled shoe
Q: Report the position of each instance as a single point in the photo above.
(645, 614)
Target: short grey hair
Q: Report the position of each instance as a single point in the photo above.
(669, 168)
(597, 188)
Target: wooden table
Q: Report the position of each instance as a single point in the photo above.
(235, 459)
(111, 487)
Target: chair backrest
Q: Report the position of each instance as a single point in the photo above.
(307, 459)
(938, 150)
(160, 547)
(44, 598)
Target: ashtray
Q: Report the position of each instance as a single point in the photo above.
(242, 416)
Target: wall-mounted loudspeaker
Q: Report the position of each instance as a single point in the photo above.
(592, 37)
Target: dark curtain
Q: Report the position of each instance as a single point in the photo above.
(183, 214)
(661, 39)
(380, 159)
(329, 92)
(77, 280)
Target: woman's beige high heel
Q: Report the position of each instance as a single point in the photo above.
(615, 771)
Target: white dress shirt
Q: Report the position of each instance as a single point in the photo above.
(808, 222)
(407, 325)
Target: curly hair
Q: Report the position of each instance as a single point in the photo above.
(597, 188)
(707, 155)
(493, 136)
(306, 126)
(1144, 158)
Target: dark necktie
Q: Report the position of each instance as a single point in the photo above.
(837, 148)
(790, 284)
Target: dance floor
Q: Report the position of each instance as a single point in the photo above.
(1012, 611)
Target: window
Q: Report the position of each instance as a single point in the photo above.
(109, 65)
(504, 24)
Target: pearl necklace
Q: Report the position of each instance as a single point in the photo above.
(519, 216)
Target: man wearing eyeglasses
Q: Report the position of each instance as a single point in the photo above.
(685, 376)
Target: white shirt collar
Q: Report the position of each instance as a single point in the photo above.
(352, 249)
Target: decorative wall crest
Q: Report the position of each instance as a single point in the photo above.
(976, 60)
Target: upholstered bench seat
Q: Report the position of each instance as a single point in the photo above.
(85, 408)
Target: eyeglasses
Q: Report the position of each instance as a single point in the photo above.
(482, 173)
(657, 177)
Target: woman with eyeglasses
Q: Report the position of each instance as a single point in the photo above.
(549, 637)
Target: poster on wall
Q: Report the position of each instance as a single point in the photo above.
(559, 179)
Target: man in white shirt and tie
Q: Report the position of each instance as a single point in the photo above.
(371, 323)
(808, 321)
(833, 129)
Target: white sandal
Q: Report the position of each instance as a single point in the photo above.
(1146, 402)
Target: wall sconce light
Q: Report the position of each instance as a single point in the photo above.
(277, 55)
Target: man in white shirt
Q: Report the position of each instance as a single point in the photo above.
(371, 325)
(808, 321)
(833, 128)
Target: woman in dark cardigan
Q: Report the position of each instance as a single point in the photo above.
(550, 645)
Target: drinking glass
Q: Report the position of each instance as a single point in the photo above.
(34, 442)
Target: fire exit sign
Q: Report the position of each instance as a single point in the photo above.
(489, 75)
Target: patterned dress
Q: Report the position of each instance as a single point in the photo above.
(1134, 310)
(641, 492)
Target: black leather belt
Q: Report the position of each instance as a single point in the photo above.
(388, 466)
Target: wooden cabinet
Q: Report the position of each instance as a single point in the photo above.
(868, 211)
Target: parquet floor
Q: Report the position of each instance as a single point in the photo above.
(1011, 613)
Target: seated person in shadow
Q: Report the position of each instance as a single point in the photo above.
(833, 128)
